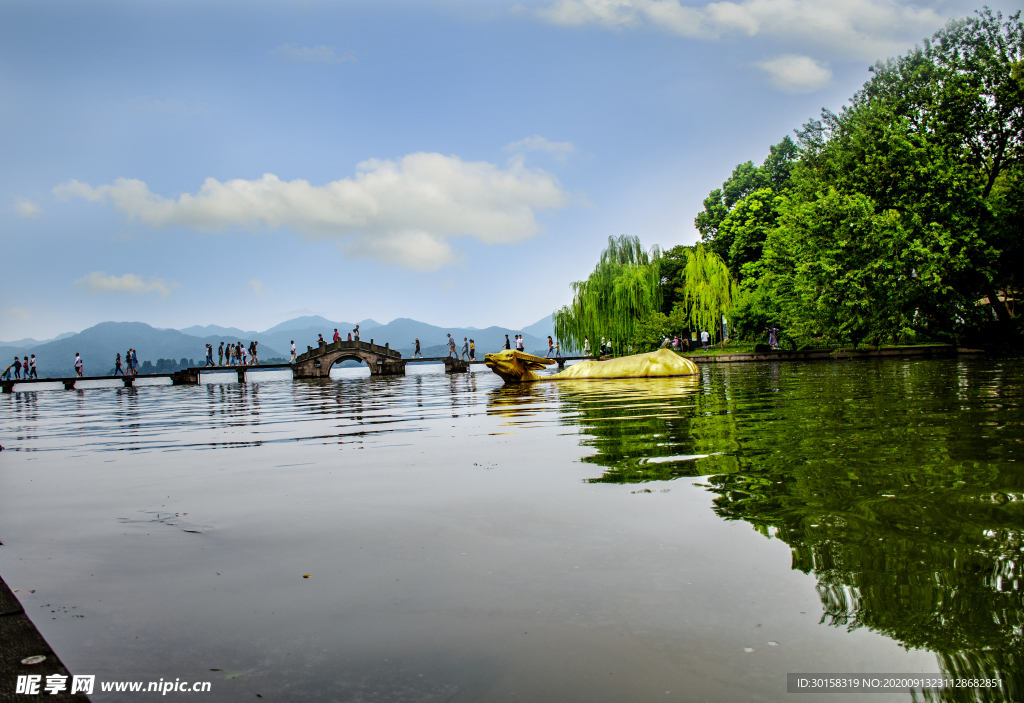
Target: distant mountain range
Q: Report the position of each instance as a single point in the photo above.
(99, 344)
(28, 342)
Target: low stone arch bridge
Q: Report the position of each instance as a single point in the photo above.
(316, 362)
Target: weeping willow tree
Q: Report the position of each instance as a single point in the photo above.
(624, 289)
(708, 290)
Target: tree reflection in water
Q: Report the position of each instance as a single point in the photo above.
(899, 484)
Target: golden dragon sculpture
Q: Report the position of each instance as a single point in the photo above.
(517, 367)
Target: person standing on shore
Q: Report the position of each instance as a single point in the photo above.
(292, 360)
(79, 365)
(32, 366)
(586, 346)
(417, 352)
(118, 369)
(704, 338)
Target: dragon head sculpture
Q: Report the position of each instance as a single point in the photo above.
(516, 366)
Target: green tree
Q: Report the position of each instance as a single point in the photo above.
(903, 212)
(745, 230)
(673, 263)
(774, 174)
(709, 289)
(624, 289)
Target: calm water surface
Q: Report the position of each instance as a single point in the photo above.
(677, 539)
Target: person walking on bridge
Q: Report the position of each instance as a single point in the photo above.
(220, 354)
(118, 369)
(451, 347)
(355, 333)
(465, 348)
(472, 350)
(551, 347)
(337, 337)
(17, 366)
(209, 356)
(292, 360)
(32, 367)
(79, 365)
(508, 344)
(135, 362)
(417, 352)
(254, 352)
(241, 352)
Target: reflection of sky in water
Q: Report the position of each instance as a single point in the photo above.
(540, 542)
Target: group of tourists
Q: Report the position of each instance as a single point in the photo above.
(519, 344)
(353, 336)
(26, 364)
(605, 349)
(468, 349)
(236, 354)
(553, 348)
(130, 367)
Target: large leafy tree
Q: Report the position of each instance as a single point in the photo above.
(624, 289)
(709, 291)
(719, 224)
(904, 210)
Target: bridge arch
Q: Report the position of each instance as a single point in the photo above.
(317, 362)
(341, 358)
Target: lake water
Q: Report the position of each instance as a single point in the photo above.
(651, 540)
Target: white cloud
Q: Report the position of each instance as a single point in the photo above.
(293, 53)
(258, 287)
(796, 74)
(861, 29)
(402, 212)
(29, 209)
(559, 150)
(100, 282)
(20, 313)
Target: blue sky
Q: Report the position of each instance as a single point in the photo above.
(461, 163)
